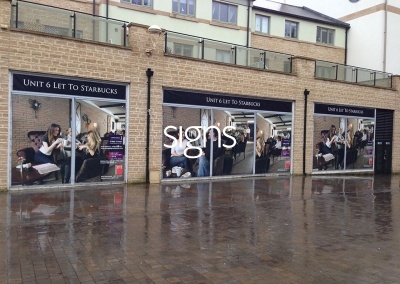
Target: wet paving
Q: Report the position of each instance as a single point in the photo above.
(336, 229)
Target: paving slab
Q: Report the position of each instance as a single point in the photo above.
(278, 229)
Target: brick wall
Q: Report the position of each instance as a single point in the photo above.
(220, 78)
(25, 51)
(4, 102)
(298, 48)
(84, 6)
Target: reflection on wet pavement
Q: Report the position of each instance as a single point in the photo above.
(270, 230)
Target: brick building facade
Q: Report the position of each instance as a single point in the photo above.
(39, 53)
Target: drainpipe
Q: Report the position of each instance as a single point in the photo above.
(107, 4)
(94, 21)
(345, 46)
(385, 36)
(149, 74)
(248, 24)
(306, 93)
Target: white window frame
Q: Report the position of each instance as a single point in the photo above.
(330, 36)
(230, 8)
(292, 25)
(183, 7)
(143, 3)
(262, 24)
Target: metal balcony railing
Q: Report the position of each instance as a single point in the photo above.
(51, 20)
(334, 71)
(208, 49)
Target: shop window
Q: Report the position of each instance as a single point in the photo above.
(84, 142)
(330, 140)
(236, 141)
(240, 158)
(179, 133)
(343, 143)
(276, 154)
(34, 132)
(106, 160)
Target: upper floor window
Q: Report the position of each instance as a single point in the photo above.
(291, 29)
(326, 36)
(262, 24)
(146, 3)
(184, 7)
(223, 12)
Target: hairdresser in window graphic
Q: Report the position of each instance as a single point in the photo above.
(178, 157)
(204, 159)
(50, 141)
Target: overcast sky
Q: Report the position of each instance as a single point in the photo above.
(332, 8)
